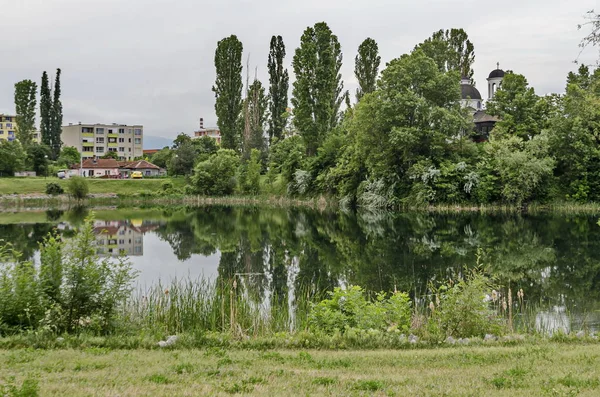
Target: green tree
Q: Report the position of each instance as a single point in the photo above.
(250, 174)
(216, 176)
(205, 147)
(366, 67)
(255, 107)
(278, 88)
(110, 155)
(228, 90)
(181, 139)
(12, 157)
(317, 91)
(183, 160)
(451, 50)
(69, 156)
(520, 110)
(25, 103)
(56, 119)
(45, 111)
(37, 158)
(162, 158)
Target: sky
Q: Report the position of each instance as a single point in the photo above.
(151, 62)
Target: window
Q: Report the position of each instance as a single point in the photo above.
(100, 251)
(110, 131)
(129, 140)
(138, 141)
(99, 149)
(112, 149)
(100, 140)
(121, 149)
(129, 150)
(11, 133)
(121, 140)
(138, 250)
(8, 125)
(88, 149)
(1, 132)
(100, 242)
(147, 172)
(112, 140)
(106, 172)
(7, 118)
(121, 232)
(121, 130)
(121, 241)
(99, 130)
(0, 126)
(137, 131)
(87, 129)
(138, 240)
(129, 131)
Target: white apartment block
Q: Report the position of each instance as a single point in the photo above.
(96, 140)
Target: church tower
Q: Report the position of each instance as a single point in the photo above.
(495, 81)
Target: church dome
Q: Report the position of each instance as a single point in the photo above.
(468, 91)
(496, 73)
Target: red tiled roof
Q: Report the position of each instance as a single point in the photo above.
(138, 165)
(98, 163)
(150, 152)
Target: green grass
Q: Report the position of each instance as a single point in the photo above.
(548, 369)
(97, 186)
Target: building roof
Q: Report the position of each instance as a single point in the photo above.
(496, 73)
(468, 91)
(150, 152)
(97, 163)
(482, 117)
(138, 165)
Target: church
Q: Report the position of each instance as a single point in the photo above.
(471, 99)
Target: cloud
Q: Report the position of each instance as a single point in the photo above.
(150, 62)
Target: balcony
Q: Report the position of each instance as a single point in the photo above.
(112, 135)
(87, 144)
(113, 144)
(87, 134)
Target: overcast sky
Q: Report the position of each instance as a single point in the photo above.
(150, 62)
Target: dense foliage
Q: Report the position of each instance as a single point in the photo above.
(78, 187)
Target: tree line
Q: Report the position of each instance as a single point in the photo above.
(25, 152)
(406, 140)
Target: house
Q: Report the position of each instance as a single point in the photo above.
(145, 167)
(96, 168)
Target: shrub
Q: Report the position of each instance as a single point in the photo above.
(250, 174)
(166, 186)
(72, 289)
(461, 309)
(78, 187)
(54, 189)
(216, 176)
(349, 309)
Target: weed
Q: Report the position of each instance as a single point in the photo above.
(272, 356)
(224, 361)
(324, 381)
(159, 379)
(368, 385)
(237, 388)
(29, 388)
(183, 368)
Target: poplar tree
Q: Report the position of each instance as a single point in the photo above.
(317, 92)
(228, 90)
(57, 119)
(366, 67)
(255, 107)
(45, 111)
(451, 50)
(278, 88)
(25, 102)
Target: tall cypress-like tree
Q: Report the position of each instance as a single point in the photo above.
(45, 111)
(57, 118)
(451, 50)
(366, 67)
(317, 92)
(278, 89)
(228, 90)
(25, 102)
(255, 107)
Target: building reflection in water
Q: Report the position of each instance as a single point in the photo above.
(125, 237)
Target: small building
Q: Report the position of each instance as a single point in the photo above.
(96, 140)
(97, 168)
(8, 126)
(143, 166)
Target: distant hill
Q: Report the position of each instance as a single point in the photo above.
(156, 142)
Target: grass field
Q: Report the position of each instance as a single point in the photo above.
(535, 370)
(119, 186)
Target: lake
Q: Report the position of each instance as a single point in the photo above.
(553, 257)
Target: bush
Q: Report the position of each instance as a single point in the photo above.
(250, 174)
(72, 290)
(349, 309)
(78, 187)
(216, 176)
(54, 189)
(166, 186)
(462, 310)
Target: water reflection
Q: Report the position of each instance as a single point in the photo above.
(282, 255)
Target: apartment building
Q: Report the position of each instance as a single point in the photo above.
(115, 238)
(8, 128)
(96, 140)
(213, 133)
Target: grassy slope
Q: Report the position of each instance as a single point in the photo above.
(534, 370)
(38, 185)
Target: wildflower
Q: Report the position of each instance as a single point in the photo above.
(431, 306)
(167, 291)
(520, 294)
(494, 295)
(437, 300)
(504, 305)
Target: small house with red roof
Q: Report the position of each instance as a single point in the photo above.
(96, 168)
(143, 166)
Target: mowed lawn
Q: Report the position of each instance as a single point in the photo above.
(534, 370)
(118, 186)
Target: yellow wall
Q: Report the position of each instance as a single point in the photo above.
(4, 130)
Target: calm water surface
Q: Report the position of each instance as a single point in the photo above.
(554, 258)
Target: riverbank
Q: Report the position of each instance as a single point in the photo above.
(544, 369)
